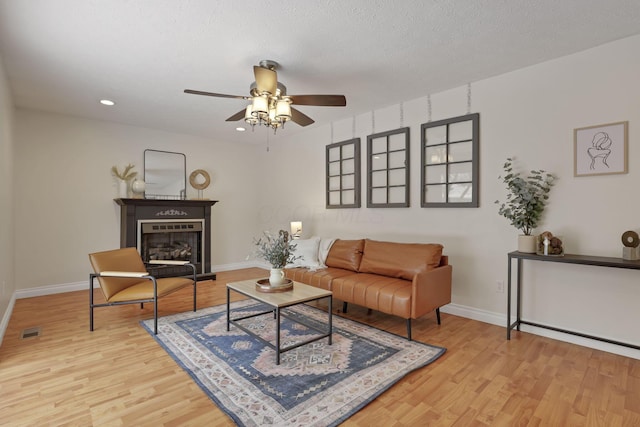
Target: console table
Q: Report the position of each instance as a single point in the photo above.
(566, 259)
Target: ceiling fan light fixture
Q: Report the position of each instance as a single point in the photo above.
(249, 118)
(260, 106)
(283, 110)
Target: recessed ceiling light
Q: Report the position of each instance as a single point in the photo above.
(107, 102)
(240, 129)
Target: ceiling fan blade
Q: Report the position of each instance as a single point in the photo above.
(320, 100)
(300, 118)
(237, 116)
(266, 79)
(219, 95)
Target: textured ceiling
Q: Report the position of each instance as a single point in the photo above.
(64, 55)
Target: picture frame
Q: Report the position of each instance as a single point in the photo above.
(600, 149)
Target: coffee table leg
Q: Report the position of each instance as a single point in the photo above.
(330, 318)
(228, 291)
(277, 335)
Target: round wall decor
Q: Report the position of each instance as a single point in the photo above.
(193, 179)
(630, 239)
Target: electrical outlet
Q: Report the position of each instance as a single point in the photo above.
(500, 286)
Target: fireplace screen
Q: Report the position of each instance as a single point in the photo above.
(175, 241)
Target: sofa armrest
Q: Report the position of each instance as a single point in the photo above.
(430, 290)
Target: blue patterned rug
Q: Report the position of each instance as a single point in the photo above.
(315, 385)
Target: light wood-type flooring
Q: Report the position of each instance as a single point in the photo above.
(119, 376)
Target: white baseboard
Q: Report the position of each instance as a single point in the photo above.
(7, 315)
(52, 289)
(501, 320)
(234, 266)
(81, 286)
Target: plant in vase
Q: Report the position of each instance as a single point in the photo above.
(526, 200)
(124, 177)
(277, 251)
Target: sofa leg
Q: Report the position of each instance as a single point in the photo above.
(369, 311)
(409, 329)
(438, 314)
(344, 307)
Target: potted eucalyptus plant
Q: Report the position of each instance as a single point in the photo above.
(525, 203)
(277, 251)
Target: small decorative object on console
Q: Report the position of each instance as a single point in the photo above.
(631, 242)
(551, 245)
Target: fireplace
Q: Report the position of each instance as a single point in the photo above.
(169, 230)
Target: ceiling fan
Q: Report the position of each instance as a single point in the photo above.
(270, 105)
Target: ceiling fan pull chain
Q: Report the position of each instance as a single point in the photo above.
(429, 108)
(469, 98)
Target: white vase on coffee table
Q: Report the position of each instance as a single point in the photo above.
(276, 277)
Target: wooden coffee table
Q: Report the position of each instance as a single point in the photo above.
(300, 294)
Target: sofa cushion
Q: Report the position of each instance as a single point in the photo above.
(345, 254)
(323, 249)
(403, 260)
(386, 294)
(319, 278)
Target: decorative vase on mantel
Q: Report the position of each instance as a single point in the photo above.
(123, 189)
(527, 243)
(276, 277)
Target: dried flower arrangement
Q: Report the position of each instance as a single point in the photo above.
(276, 250)
(126, 175)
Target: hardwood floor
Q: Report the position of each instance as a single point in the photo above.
(119, 376)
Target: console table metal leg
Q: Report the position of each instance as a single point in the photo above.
(519, 294)
(509, 298)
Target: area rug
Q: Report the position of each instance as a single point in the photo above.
(315, 385)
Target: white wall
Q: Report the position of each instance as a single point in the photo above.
(530, 114)
(65, 191)
(7, 282)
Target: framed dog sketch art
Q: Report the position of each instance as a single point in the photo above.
(600, 149)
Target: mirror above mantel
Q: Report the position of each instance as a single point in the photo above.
(165, 175)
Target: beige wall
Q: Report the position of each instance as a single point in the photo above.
(65, 191)
(530, 114)
(7, 282)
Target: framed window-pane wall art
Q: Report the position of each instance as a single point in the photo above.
(343, 174)
(449, 161)
(388, 169)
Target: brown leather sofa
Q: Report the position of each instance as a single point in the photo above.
(404, 279)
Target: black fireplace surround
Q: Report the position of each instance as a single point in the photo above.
(169, 230)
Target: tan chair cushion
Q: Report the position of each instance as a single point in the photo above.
(144, 289)
(402, 260)
(345, 254)
(118, 289)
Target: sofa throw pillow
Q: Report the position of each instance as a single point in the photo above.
(323, 249)
(307, 250)
(345, 254)
(401, 260)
